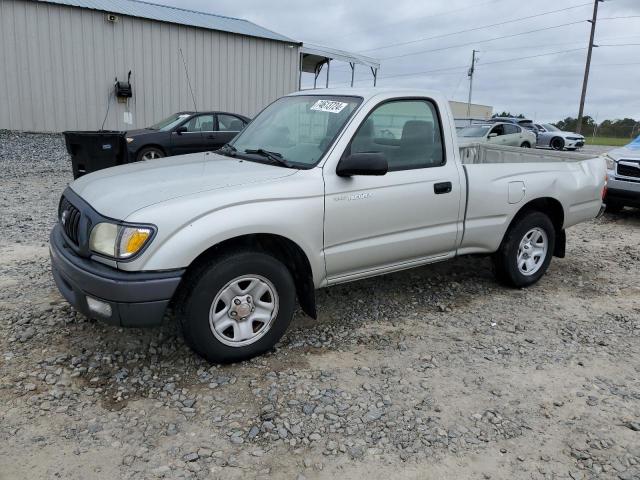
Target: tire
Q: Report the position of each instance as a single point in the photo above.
(525, 145)
(150, 153)
(209, 297)
(510, 259)
(557, 143)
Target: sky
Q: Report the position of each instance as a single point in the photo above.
(417, 36)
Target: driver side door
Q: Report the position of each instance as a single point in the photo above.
(406, 217)
(191, 140)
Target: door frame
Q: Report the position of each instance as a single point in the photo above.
(449, 145)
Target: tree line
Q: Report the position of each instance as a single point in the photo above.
(619, 128)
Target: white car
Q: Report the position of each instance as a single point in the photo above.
(502, 133)
(550, 136)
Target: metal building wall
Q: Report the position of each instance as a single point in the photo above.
(459, 110)
(58, 65)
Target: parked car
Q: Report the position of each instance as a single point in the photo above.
(623, 173)
(183, 132)
(551, 136)
(523, 122)
(307, 196)
(499, 134)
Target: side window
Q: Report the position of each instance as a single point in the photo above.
(510, 129)
(229, 123)
(407, 132)
(498, 130)
(200, 123)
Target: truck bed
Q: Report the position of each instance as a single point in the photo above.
(479, 153)
(500, 180)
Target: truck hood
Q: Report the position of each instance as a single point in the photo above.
(117, 192)
(566, 134)
(630, 152)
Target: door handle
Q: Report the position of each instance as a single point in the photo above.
(442, 187)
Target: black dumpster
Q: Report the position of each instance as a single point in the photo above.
(92, 151)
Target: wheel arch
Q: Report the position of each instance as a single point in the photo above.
(554, 210)
(282, 248)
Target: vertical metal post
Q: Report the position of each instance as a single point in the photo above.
(328, 68)
(587, 66)
(316, 75)
(470, 75)
(374, 72)
(353, 71)
(300, 72)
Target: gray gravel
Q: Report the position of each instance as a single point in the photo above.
(435, 373)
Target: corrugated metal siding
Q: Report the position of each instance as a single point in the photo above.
(58, 65)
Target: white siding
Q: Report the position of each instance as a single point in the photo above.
(58, 65)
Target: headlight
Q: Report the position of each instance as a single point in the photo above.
(119, 241)
(611, 163)
(129, 139)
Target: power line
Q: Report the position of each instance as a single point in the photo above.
(538, 46)
(409, 42)
(619, 45)
(483, 41)
(480, 64)
(619, 18)
(449, 12)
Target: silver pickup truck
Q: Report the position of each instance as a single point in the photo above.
(322, 187)
(623, 169)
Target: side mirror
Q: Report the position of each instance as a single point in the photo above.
(493, 135)
(181, 129)
(362, 164)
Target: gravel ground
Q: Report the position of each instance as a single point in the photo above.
(432, 373)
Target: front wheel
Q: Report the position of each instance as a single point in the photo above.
(525, 145)
(526, 251)
(557, 143)
(237, 306)
(150, 153)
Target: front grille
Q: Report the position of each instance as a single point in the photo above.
(628, 170)
(69, 219)
(574, 138)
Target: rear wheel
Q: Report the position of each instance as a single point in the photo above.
(526, 250)
(557, 143)
(150, 153)
(236, 306)
(525, 145)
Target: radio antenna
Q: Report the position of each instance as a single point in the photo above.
(186, 72)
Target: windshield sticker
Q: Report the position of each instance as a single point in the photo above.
(330, 106)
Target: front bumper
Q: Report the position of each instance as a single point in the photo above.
(574, 143)
(622, 191)
(136, 299)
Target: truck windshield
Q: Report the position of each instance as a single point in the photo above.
(477, 131)
(297, 129)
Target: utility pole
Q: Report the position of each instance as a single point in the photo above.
(588, 65)
(470, 75)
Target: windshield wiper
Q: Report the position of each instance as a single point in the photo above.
(228, 150)
(275, 157)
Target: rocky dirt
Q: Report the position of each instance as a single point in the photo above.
(433, 373)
